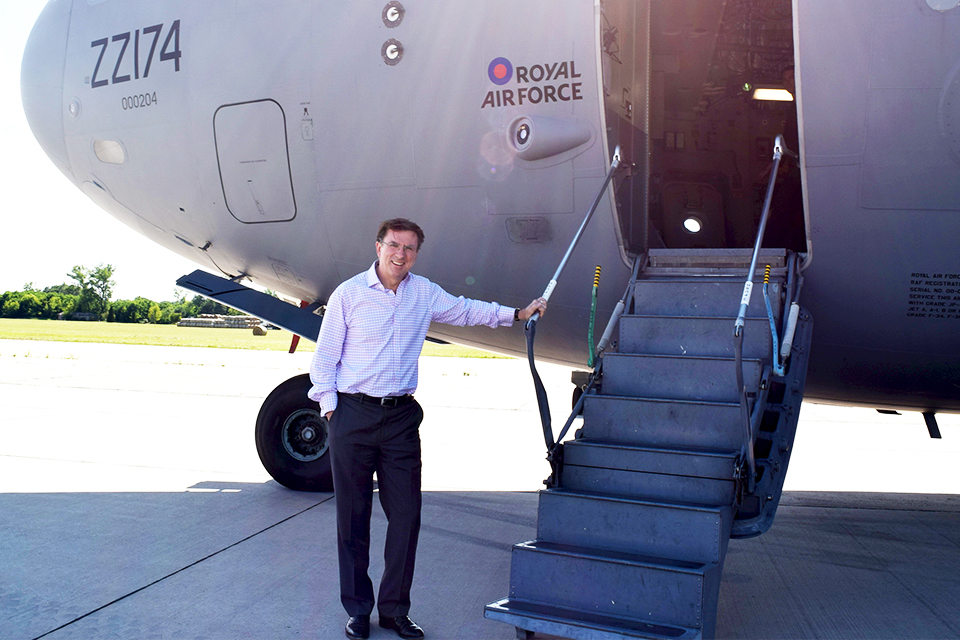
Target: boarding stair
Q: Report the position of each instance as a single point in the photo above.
(677, 452)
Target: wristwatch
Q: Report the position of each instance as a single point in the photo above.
(516, 315)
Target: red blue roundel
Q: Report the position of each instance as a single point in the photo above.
(500, 71)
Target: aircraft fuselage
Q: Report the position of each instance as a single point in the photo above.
(269, 139)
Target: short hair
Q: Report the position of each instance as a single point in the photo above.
(400, 224)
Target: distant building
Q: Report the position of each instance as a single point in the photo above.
(217, 321)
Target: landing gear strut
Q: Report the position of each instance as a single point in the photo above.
(292, 438)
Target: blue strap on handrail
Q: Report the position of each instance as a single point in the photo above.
(778, 368)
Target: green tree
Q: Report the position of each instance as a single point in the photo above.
(33, 303)
(122, 311)
(57, 303)
(153, 314)
(11, 308)
(206, 305)
(171, 312)
(21, 304)
(96, 286)
(88, 302)
(137, 310)
(143, 308)
(70, 289)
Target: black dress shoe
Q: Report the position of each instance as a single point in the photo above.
(403, 625)
(358, 627)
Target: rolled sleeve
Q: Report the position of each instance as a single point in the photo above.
(462, 311)
(326, 359)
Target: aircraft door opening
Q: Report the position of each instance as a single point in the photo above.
(254, 161)
(696, 92)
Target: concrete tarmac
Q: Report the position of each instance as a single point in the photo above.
(133, 505)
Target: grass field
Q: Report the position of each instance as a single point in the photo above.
(173, 336)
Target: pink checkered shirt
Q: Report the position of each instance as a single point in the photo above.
(371, 338)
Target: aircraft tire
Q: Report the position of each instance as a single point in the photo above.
(292, 440)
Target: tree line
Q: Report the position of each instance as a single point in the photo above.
(88, 297)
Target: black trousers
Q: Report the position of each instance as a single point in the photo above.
(365, 437)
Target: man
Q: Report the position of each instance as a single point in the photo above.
(364, 374)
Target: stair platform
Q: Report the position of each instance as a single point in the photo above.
(702, 336)
(709, 298)
(679, 378)
(656, 590)
(662, 422)
(580, 625)
(685, 476)
(643, 527)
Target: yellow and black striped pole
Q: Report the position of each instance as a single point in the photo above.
(593, 317)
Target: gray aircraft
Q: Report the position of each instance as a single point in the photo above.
(810, 149)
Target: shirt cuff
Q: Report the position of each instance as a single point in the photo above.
(505, 315)
(328, 402)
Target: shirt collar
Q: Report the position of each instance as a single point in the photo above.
(373, 280)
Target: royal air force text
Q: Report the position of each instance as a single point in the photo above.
(550, 91)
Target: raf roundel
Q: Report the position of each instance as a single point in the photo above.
(500, 71)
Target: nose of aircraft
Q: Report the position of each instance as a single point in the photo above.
(41, 81)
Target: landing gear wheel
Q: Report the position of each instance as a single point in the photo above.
(292, 438)
(577, 392)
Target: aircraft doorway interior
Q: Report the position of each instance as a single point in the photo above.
(696, 92)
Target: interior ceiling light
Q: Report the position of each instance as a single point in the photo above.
(692, 225)
(777, 94)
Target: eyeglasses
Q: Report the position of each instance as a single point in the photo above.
(393, 246)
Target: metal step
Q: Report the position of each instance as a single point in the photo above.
(666, 423)
(580, 625)
(690, 477)
(676, 378)
(694, 336)
(639, 527)
(652, 589)
(705, 297)
(702, 260)
(650, 486)
(702, 463)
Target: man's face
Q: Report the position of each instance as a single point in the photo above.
(397, 254)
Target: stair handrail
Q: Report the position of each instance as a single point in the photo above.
(530, 327)
(790, 320)
(625, 300)
(779, 149)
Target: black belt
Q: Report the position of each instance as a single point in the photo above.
(386, 401)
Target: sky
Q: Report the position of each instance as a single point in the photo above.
(49, 225)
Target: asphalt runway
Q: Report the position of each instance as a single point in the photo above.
(133, 505)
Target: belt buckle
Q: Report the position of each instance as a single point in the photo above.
(389, 401)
